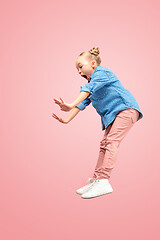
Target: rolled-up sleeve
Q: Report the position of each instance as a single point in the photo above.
(99, 80)
(86, 88)
(84, 104)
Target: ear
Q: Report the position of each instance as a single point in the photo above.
(93, 63)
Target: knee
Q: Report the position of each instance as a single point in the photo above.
(113, 142)
(103, 143)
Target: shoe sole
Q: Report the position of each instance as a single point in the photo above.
(95, 196)
(109, 190)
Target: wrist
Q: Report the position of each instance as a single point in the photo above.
(66, 120)
(72, 105)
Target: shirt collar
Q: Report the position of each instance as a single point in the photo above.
(97, 68)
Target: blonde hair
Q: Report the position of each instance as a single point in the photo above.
(93, 54)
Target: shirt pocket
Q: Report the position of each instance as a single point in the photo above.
(100, 93)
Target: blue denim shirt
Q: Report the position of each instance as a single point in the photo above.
(108, 96)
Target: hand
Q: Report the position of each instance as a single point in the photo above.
(59, 119)
(64, 106)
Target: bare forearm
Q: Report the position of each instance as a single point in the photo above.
(72, 114)
(80, 98)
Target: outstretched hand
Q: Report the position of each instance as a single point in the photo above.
(64, 106)
(59, 119)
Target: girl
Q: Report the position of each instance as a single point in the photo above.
(118, 109)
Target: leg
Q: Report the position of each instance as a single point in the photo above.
(113, 135)
(102, 148)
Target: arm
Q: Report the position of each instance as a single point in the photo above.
(66, 106)
(82, 95)
(79, 104)
(72, 114)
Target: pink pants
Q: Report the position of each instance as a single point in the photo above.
(110, 142)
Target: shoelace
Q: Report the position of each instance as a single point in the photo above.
(96, 180)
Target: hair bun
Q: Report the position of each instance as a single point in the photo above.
(94, 50)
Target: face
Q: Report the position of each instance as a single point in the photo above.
(85, 67)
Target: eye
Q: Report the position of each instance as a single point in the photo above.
(80, 66)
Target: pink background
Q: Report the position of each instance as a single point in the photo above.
(43, 161)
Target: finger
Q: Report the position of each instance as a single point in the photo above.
(61, 120)
(57, 101)
(61, 99)
(54, 115)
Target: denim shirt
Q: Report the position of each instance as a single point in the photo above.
(108, 96)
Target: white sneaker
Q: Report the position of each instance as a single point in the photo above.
(101, 187)
(86, 187)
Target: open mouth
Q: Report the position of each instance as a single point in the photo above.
(85, 76)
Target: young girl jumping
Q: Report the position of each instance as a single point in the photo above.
(118, 109)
